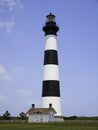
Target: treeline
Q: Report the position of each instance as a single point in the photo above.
(80, 118)
(23, 116)
(7, 116)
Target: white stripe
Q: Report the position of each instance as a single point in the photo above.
(51, 72)
(50, 42)
(55, 101)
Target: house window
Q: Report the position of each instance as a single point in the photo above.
(37, 112)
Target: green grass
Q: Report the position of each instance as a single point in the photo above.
(50, 126)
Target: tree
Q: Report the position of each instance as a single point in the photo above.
(6, 115)
(23, 116)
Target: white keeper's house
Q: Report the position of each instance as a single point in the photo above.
(41, 114)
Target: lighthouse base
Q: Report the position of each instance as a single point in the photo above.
(59, 119)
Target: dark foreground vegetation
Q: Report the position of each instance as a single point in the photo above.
(93, 118)
(50, 126)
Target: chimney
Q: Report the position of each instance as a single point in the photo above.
(33, 105)
(50, 105)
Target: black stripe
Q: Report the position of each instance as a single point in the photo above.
(50, 28)
(51, 88)
(50, 57)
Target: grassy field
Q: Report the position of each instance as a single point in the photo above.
(50, 126)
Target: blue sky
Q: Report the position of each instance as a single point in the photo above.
(22, 52)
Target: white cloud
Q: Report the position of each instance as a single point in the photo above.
(17, 70)
(2, 70)
(37, 102)
(25, 92)
(28, 97)
(11, 4)
(8, 76)
(8, 25)
(7, 13)
(2, 97)
(3, 73)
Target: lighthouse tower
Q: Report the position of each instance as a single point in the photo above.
(51, 84)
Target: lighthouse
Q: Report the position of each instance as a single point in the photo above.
(51, 83)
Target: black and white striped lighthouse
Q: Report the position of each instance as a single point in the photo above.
(51, 84)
